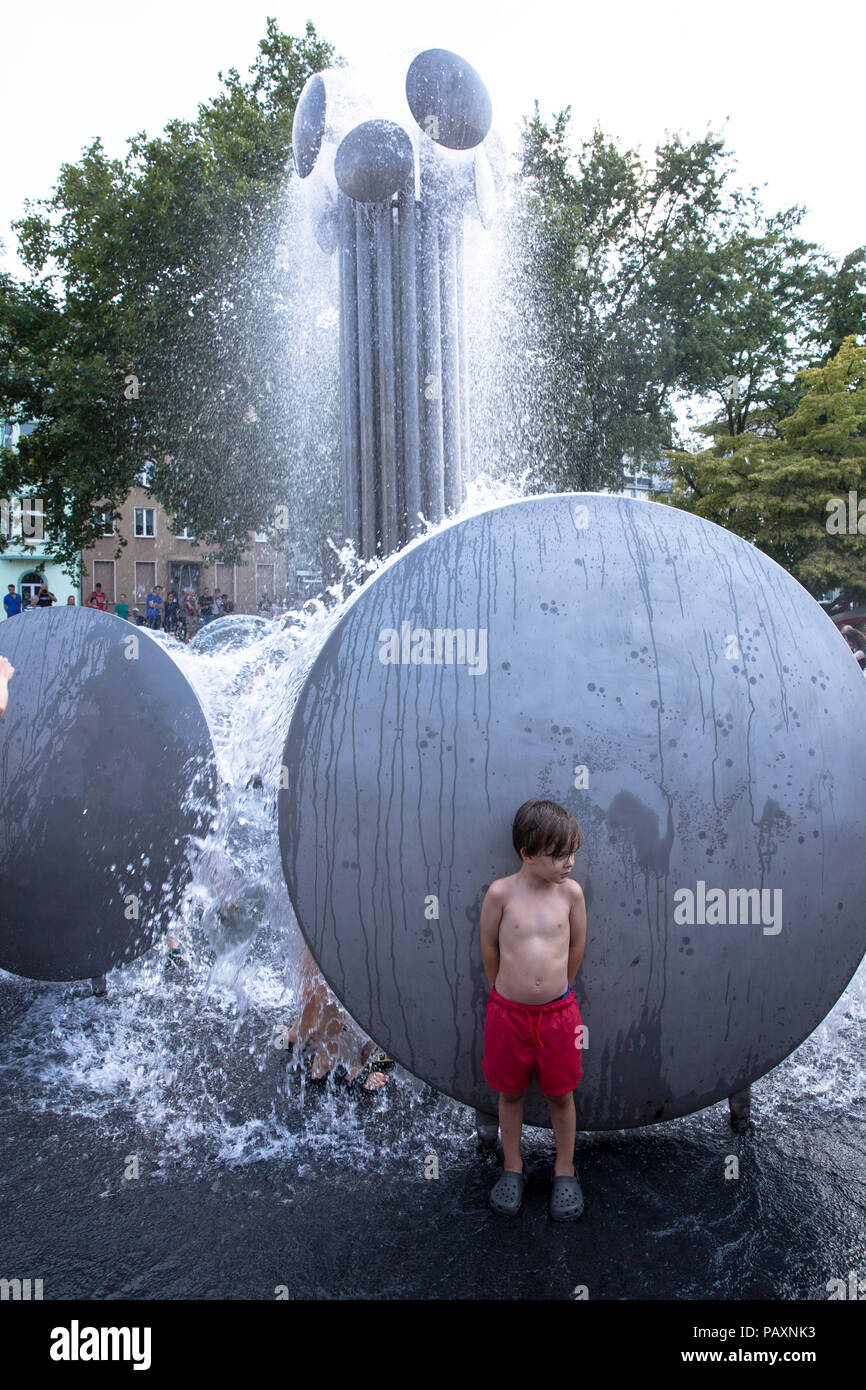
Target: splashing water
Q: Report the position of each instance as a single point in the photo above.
(188, 1056)
(190, 1053)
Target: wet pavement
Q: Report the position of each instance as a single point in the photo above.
(321, 1193)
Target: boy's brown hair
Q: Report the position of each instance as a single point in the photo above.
(544, 827)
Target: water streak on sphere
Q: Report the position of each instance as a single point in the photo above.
(448, 99)
(374, 161)
(308, 126)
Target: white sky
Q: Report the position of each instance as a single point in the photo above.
(787, 74)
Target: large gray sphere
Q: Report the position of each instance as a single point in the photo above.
(684, 698)
(106, 768)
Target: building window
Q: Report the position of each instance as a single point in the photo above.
(308, 582)
(145, 521)
(103, 521)
(184, 535)
(144, 476)
(184, 575)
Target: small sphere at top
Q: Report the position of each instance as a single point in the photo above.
(448, 99)
(374, 161)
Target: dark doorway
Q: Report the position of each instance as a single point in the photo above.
(31, 584)
(185, 576)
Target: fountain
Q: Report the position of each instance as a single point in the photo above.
(637, 664)
(390, 199)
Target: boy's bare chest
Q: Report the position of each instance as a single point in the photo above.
(533, 926)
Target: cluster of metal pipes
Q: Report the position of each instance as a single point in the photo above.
(396, 221)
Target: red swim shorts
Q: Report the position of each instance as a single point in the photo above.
(522, 1038)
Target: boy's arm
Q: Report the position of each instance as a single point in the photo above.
(577, 932)
(491, 917)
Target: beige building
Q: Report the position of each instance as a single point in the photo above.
(156, 552)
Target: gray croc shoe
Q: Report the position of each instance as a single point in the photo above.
(508, 1193)
(566, 1199)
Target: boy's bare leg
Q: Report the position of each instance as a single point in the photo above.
(564, 1123)
(510, 1128)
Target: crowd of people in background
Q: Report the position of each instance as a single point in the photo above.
(182, 614)
(42, 597)
(181, 617)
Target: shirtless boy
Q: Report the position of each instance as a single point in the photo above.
(533, 933)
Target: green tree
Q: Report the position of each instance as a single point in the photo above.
(844, 302)
(789, 495)
(58, 370)
(743, 305)
(639, 280)
(160, 308)
(584, 230)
